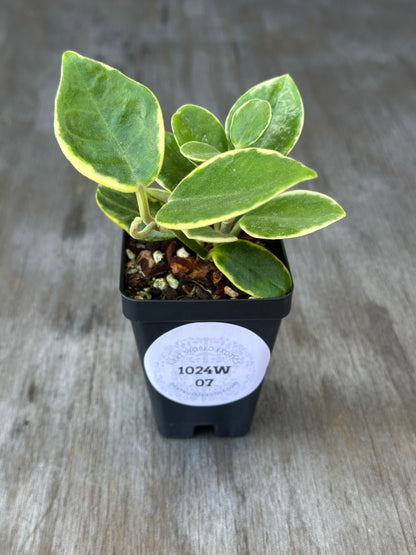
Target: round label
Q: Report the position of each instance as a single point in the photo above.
(206, 363)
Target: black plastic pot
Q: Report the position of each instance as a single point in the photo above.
(152, 319)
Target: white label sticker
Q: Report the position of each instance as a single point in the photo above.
(206, 363)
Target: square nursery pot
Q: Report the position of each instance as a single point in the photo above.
(204, 360)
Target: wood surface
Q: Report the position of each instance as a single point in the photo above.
(329, 465)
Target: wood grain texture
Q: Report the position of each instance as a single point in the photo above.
(330, 463)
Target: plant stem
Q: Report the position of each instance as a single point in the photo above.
(143, 203)
(226, 225)
(159, 194)
(144, 232)
(191, 243)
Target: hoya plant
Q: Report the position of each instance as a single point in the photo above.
(221, 190)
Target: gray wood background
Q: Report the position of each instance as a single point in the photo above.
(330, 463)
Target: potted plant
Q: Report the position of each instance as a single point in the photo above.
(205, 278)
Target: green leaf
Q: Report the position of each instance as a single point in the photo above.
(193, 123)
(122, 209)
(228, 185)
(209, 235)
(107, 125)
(292, 214)
(175, 166)
(252, 269)
(249, 122)
(198, 151)
(287, 113)
(156, 235)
